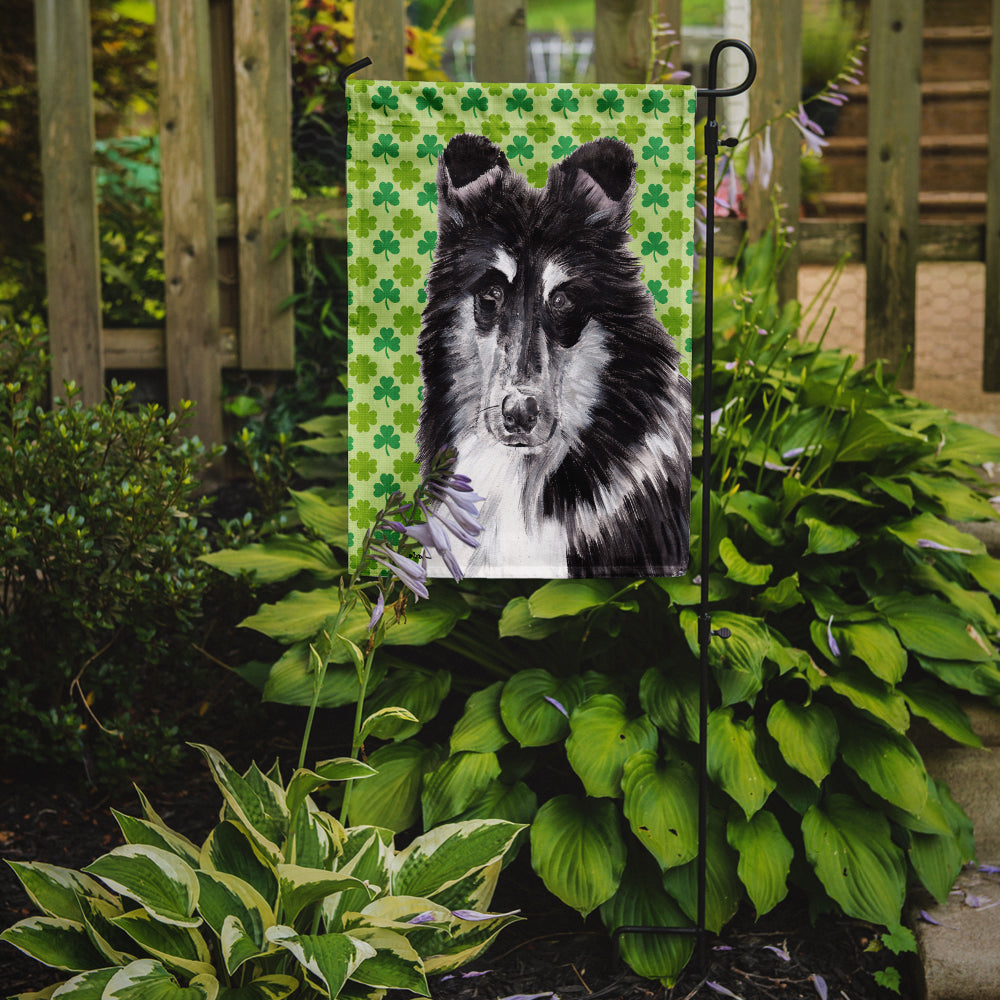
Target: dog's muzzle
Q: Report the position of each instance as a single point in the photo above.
(525, 421)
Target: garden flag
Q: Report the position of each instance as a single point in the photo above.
(521, 260)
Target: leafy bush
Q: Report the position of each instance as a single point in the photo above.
(854, 605)
(99, 540)
(279, 899)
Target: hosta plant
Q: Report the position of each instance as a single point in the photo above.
(279, 900)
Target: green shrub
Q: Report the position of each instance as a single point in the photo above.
(99, 539)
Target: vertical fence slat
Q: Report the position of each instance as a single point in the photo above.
(261, 57)
(190, 253)
(501, 51)
(776, 35)
(380, 34)
(72, 257)
(991, 333)
(893, 183)
(622, 40)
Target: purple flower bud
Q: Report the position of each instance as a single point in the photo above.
(377, 612)
(410, 574)
(834, 648)
(427, 917)
(820, 983)
(558, 705)
(927, 543)
(476, 915)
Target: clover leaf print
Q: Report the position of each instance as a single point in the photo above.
(657, 290)
(496, 128)
(677, 129)
(407, 417)
(406, 174)
(630, 129)
(363, 417)
(385, 100)
(407, 223)
(362, 126)
(655, 198)
(537, 174)
(638, 222)
(386, 292)
(364, 320)
(430, 148)
(406, 321)
(363, 466)
(386, 485)
(676, 224)
(585, 128)
(540, 128)
(675, 272)
(609, 103)
(363, 223)
(654, 244)
(386, 390)
(386, 341)
(362, 271)
(386, 438)
(407, 271)
(385, 195)
(653, 150)
(676, 177)
(405, 126)
(565, 102)
(362, 512)
(519, 101)
(429, 100)
(428, 243)
(520, 149)
(563, 147)
(655, 103)
(475, 101)
(450, 126)
(386, 243)
(406, 369)
(405, 466)
(676, 320)
(361, 174)
(362, 369)
(385, 147)
(428, 195)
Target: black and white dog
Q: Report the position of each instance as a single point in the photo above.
(544, 365)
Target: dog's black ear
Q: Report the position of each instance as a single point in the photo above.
(469, 168)
(601, 173)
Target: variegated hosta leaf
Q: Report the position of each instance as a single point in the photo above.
(456, 784)
(481, 728)
(315, 838)
(850, 847)
(158, 880)
(807, 736)
(441, 857)
(366, 855)
(301, 887)
(468, 939)
(475, 891)
(56, 891)
(732, 760)
(578, 851)
(54, 941)
(602, 737)
(224, 897)
(329, 959)
(141, 831)
(642, 902)
(395, 964)
(86, 986)
(230, 849)
(275, 987)
(177, 947)
(765, 858)
(238, 945)
(149, 980)
(661, 799)
(116, 946)
(304, 782)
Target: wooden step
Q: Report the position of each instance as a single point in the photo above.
(956, 53)
(940, 13)
(957, 206)
(947, 106)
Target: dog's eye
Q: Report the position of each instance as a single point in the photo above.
(490, 299)
(560, 302)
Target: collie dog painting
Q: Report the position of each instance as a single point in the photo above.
(545, 367)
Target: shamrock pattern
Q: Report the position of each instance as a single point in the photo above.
(396, 133)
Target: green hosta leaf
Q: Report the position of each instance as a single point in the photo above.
(932, 628)
(850, 847)
(279, 558)
(391, 798)
(578, 851)
(517, 620)
(385, 723)
(327, 520)
(301, 887)
(602, 738)
(528, 714)
(783, 595)
(888, 763)
(56, 891)
(230, 849)
(899, 491)
(558, 598)
(752, 574)
(937, 859)
(986, 571)
(869, 436)
(641, 901)
(760, 512)
(141, 831)
(292, 680)
(275, 987)
(765, 858)
(416, 689)
(826, 539)
(738, 661)
(974, 604)
(958, 502)
(723, 889)
(928, 528)
(225, 897)
(147, 979)
(941, 709)
(54, 941)
(180, 948)
(976, 678)
(515, 803)
(395, 964)
(438, 859)
(732, 760)
(661, 798)
(876, 646)
(163, 884)
(671, 699)
(807, 736)
(330, 959)
(682, 590)
(456, 784)
(481, 728)
(865, 692)
(964, 443)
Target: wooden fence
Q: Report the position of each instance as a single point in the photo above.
(226, 161)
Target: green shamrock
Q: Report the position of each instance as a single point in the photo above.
(609, 103)
(429, 100)
(386, 341)
(361, 271)
(363, 416)
(385, 100)
(674, 319)
(638, 223)
(519, 101)
(405, 466)
(653, 150)
(475, 100)
(362, 126)
(520, 149)
(630, 129)
(428, 243)
(362, 369)
(585, 128)
(496, 128)
(563, 147)
(407, 223)
(364, 320)
(565, 102)
(386, 389)
(361, 173)
(385, 147)
(655, 198)
(430, 148)
(386, 292)
(540, 128)
(654, 244)
(386, 438)
(406, 174)
(450, 126)
(655, 103)
(386, 243)
(675, 272)
(386, 485)
(406, 271)
(676, 224)
(386, 195)
(677, 129)
(406, 321)
(406, 369)
(428, 194)
(362, 466)
(362, 222)
(407, 416)
(363, 512)
(676, 177)
(538, 174)
(495, 89)
(405, 126)
(657, 290)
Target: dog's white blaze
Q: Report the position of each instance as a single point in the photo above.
(553, 275)
(505, 264)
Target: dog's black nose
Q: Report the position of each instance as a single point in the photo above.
(520, 412)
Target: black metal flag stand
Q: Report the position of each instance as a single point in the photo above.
(705, 631)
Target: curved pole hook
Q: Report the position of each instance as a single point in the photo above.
(713, 90)
(348, 70)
